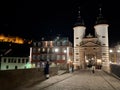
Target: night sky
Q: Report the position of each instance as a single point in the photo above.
(33, 19)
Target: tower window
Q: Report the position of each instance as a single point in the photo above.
(104, 53)
(77, 60)
(77, 37)
(103, 44)
(103, 36)
(77, 53)
(77, 45)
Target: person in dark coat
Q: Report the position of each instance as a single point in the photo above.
(46, 70)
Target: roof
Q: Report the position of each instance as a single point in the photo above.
(100, 19)
(79, 21)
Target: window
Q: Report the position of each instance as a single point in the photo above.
(39, 44)
(38, 57)
(18, 60)
(23, 60)
(7, 67)
(5, 60)
(34, 57)
(77, 45)
(77, 60)
(16, 67)
(103, 36)
(39, 50)
(77, 37)
(77, 53)
(34, 50)
(27, 60)
(63, 57)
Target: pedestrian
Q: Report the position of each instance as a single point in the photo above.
(93, 68)
(46, 70)
(72, 68)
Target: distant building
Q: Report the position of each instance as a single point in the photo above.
(11, 63)
(58, 51)
(114, 54)
(14, 56)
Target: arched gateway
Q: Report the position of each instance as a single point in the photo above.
(90, 52)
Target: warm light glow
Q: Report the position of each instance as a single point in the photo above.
(118, 51)
(86, 61)
(65, 51)
(111, 51)
(56, 50)
(18, 40)
(98, 61)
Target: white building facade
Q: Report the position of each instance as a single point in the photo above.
(12, 63)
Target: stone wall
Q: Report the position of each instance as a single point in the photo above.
(10, 79)
(115, 69)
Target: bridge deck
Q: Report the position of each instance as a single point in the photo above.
(79, 80)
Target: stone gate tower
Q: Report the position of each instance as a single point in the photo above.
(88, 49)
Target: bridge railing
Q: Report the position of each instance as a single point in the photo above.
(10, 79)
(115, 69)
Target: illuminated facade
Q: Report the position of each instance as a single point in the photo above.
(115, 54)
(57, 51)
(11, 39)
(12, 63)
(91, 49)
(14, 56)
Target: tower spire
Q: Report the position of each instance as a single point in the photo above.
(79, 12)
(100, 18)
(79, 21)
(100, 12)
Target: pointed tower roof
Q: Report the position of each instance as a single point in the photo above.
(100, 18)
(79, 21)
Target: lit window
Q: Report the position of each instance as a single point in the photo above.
(38, 49)
(27, 60)
(18, 60)
(43, 49)
(23, 60)
(34, 50)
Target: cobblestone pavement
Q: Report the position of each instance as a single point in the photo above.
(79, 80)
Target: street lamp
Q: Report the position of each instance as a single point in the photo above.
(56, 49)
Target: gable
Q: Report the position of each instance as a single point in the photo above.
(90, 44)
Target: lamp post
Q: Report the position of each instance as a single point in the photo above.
(118, 56)
(110, 55)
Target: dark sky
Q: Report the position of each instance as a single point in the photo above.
(33, 19)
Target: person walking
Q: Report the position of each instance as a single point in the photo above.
(46, 70)
(93, 68)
